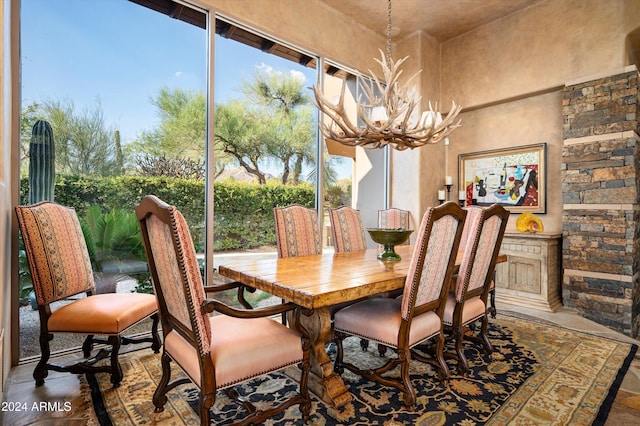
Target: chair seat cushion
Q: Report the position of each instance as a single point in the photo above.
(473, 308)
(103, 313)
(241, 349)
(379, 319)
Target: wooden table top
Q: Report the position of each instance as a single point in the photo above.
(325, 279)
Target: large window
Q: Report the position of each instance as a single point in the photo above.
(127, 91)
(124, 90)
(264, 136)
(267, 141)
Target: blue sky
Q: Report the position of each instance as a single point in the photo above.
(120, 54)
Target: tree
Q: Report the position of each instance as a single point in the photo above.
(85, 145)
(238, 134)
(182, 129)
(181, 168)
(30, 114)
(288, 120)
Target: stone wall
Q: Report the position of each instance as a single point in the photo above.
(600, 180)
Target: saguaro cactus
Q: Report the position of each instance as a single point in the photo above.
(42, 172)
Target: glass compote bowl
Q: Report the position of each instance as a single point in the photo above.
(389, 238)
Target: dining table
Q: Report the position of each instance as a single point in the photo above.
(317, 283)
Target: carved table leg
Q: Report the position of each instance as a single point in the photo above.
(323, 381)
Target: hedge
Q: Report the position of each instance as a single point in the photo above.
(243, 212)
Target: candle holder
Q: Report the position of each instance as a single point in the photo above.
(462, 195)
(449, 191)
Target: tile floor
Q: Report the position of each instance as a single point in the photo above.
(66, 407)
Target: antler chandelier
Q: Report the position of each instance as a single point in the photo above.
(391, 118)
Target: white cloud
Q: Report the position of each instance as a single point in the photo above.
(266, 68)
(298, 75)
(179, 74)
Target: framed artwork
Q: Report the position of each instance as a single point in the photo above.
(514, 178)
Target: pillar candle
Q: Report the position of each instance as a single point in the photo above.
(441, 194)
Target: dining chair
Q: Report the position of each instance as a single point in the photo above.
(216, 351)
(346, 229)
(348, 235)
(491, 306)
(61, 272)
(482, 238)
(297, 233)
(403, 323)
(394, 218)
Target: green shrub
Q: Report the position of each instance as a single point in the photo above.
(243, 212)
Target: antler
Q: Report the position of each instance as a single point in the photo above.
(400, 105)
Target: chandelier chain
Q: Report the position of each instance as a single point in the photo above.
(388, 30)
(387, 111)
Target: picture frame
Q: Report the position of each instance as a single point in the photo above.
(513, 177)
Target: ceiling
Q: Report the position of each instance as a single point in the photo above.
(442, 19)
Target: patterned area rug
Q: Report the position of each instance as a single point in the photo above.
(538, 374)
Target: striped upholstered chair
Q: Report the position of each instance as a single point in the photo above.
(483, 234)
(404, 323)
(394, 218)
(217, 352)
(60, 268)
(346, 229)
(297, 231)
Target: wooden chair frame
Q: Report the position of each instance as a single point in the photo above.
(457, 327)
(113, 342)
(404, 350)
(151, 205)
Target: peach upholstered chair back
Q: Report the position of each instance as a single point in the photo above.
(433, 260)
(394, 218)
(297, 231)
(482, 238)
(347, 229)
(56, 251)
(176, 276)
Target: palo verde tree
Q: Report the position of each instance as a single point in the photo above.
(182, 129)
(239, 134)
(180, 136)
(85, 144)
(287, 120)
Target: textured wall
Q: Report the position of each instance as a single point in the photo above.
(600, 176)
(541, 47)
(507, 76)
(315, 27)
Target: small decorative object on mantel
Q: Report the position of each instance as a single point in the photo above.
(529, 222)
